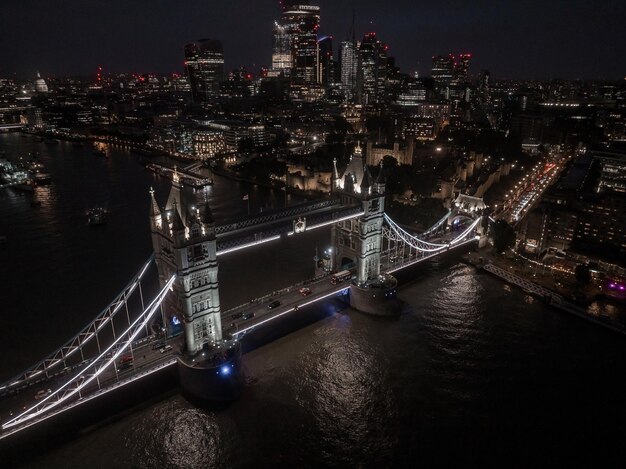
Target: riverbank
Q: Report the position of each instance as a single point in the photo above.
(546, 295)
(223, 172)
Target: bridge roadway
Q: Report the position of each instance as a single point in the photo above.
(290, 300)
(149, 357)
(147, 360)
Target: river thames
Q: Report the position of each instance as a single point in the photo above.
(472, 372)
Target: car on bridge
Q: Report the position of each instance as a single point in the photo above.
(158, 345)
(274, 304)
(305, 291)
(125, 362)
(167, 348)
(247, 316)
(43, 393)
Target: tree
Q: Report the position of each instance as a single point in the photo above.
(389, 162)
(245, 145)
(503, 235)
(583, 275)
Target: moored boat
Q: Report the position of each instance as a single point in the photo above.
(96, 216)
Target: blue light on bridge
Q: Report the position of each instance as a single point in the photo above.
(175, 321)
(225, 370)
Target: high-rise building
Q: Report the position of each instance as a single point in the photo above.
(349, 68)
(204, 62)
(304, 21)
(372, 74)
(281, 51)
(450, 69)
(443, 69)
(295, 34)
(484, 94)
(325, 61)
(461, 67)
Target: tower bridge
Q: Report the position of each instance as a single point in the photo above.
(128, 340)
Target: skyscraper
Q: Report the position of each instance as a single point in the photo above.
(450, 69)
(372, 74)
(281, 51)
(443, 69)
(349, 68)
(204, 61)
(296, 32)
(325, 60)
(461, 67)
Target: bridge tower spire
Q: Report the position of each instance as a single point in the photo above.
(359, 242)
(184, 243)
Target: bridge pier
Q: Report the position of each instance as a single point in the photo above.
(360, 240)
(378, 299)
(185, 245)
(214, 375)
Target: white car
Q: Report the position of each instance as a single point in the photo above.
(43, 393)
(167, 348)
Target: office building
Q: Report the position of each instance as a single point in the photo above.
(372, 73)
(204, 63)
(349, 61)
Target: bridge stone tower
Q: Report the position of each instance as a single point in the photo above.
(183, 238)
(360, 240)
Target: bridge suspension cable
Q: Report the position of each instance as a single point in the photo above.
(436, 226)
(396, 233)
(413, 240)
(94, 369)
(76, 343)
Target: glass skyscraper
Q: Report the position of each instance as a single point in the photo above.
(204, 62)
(296, 32)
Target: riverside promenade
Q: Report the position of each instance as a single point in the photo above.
(550, 297)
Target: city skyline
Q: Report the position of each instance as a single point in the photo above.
(522, 40)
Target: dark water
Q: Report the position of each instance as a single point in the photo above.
(472, 373)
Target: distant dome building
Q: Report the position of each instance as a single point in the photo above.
(40, 84)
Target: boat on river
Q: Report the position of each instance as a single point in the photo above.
(96, 216)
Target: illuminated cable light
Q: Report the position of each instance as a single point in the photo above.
(71, 405)
(248, 245)
(68, 348)
(334, 292)
(154, 305)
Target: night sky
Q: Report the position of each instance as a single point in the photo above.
(513, 39)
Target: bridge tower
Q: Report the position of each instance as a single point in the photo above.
(360, 240)
(183, 238)
(184, 242)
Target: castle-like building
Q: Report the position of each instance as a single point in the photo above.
(183, 238)
(185, 245)
(358, 242)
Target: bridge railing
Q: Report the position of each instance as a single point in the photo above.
(72, 388)
(295, 210)
(76, 344)
(275, 293)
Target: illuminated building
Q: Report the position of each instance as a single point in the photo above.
(585, 211)
(349, 68)
(450, 70)
(207, 143)
(372, 74)
(304, 21)
(325, 62)
(40, 84)
(612, 170)
(298, 28)
(204, 62)
(281, 51)
(443, 69)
